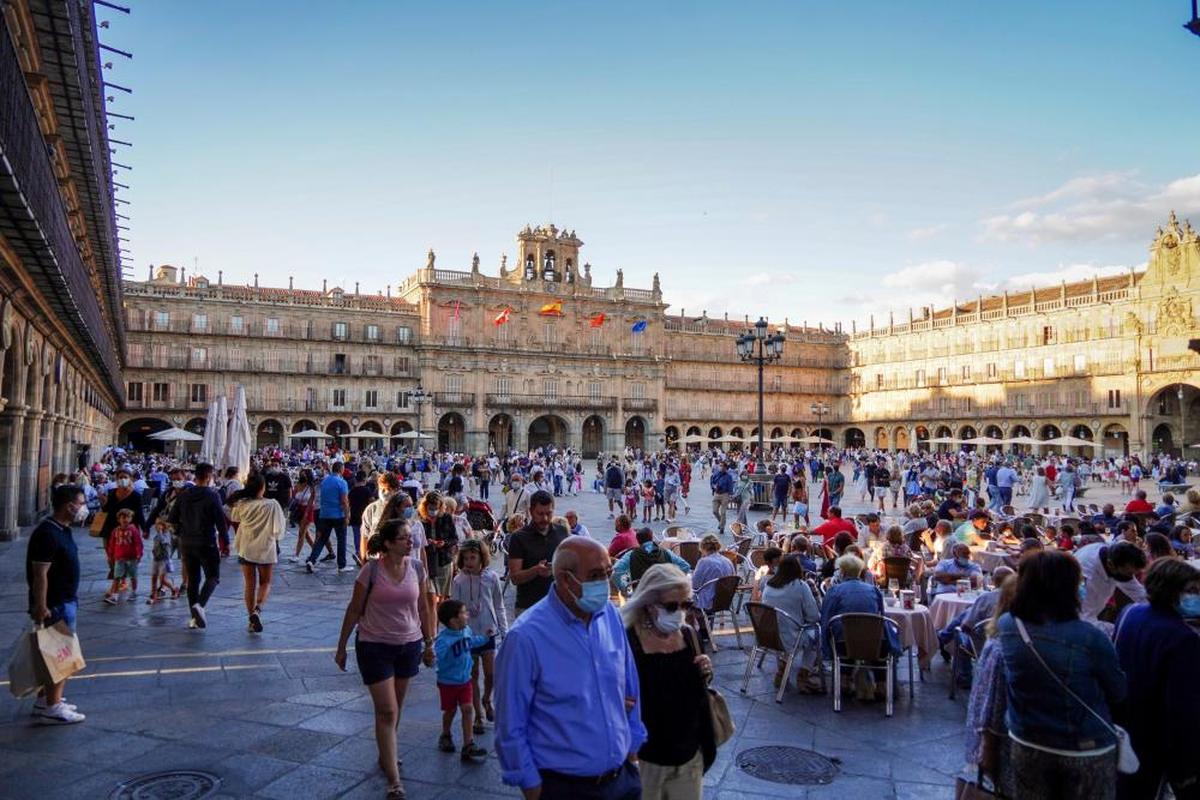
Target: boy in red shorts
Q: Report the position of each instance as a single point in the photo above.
(453, 651)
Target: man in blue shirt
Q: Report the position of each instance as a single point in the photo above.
(1006, 476)
(333, 508)
(948, 571)
(722, 488)
(568, 705)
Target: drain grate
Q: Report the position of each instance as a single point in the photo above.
(184, 784)
(790, 765)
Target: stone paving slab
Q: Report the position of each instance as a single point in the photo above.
(273, 717)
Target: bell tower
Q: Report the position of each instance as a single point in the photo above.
(546, 254)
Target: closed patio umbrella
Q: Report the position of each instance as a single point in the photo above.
(237, 447)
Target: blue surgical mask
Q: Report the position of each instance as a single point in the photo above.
(648, 547)
(1189, 605)
(594, 597)
(963, 562)
(409, 513)
(1082, 592)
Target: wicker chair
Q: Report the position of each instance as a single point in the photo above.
(897, 568)
(864, 638)
(765, 620)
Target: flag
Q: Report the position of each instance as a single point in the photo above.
(502, 317)
(597, 320)
(639, 326)
(552, 309)
(457, 306)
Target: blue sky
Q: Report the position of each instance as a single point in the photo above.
(819, 161)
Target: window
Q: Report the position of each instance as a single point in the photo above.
(372, 333)
(1020, 401)
(637, 342)
(966, 404)
(941, 376)
(137, 353)
(400, 363)
(596, 337)
(199, 323)
(637, 391)
(1114, 398)
(338, 367)
(134, 392)
(504, 386)
(1047, 367)
(310, 399)
(991, 370)
(272, 326)
(550, 388)
(502, 334)
(594, 390)
(1048, 334)
(373, 365)
(341, 331)
(1080, 363)
(920, 377)
(1019, 369)
(454, 384)
(237, 324)
(966, 372)
(199, 393)
(943, 403)
(199, 357)
(454, 329)
(549, 337)
(371, 398)
(878, 380)
(402, 400)
(162, 320)
(404, 334)
(339, 398)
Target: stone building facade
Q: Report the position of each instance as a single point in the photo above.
(60, 318)
(537, 353)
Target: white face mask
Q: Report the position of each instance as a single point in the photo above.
(665, 621)
(123, 483)
(81, 515)
(177, 484)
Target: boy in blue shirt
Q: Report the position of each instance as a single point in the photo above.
(453, 648)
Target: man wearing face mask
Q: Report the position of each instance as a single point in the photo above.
(517, 499)
(948, 571)
(279, 484)
(197, 517)
(530, 550)
(568, 704)
(122, 496)
(1106, 568)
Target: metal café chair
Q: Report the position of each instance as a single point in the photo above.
(864, 645)
(690, 552)
(726, 590)
(897, 568)
(764, 619)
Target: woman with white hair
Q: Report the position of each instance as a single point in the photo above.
(673, 675)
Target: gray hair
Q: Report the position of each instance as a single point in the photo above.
(655, 582)
(850, 565)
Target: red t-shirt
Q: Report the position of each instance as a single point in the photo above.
(829, 529)
(626, 540)
(1137, 506)
(125, 544)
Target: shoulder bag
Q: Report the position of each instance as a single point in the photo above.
(722, 720)
(1127, 760)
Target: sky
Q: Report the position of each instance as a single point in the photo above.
(820, 162)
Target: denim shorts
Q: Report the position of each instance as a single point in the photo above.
(378, 661)
(64, 612)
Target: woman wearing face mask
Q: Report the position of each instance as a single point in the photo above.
(1158, 651)
(123, 496)
(673, 676)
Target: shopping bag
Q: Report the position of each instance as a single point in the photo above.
(61, 653)
(97, 523)
(26, 670)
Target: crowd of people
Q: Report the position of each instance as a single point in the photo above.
(598, 685)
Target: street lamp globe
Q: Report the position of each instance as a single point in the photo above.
(760, 329)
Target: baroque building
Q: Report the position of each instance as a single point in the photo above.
(537, 353)
(60, 286)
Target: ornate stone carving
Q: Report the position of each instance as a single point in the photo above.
(1174, 314)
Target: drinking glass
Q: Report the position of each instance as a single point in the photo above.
(894, 586)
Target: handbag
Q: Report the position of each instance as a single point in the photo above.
(1127, 760)
(60, 652)
(26, 670)
(97, 523)
(722, 721)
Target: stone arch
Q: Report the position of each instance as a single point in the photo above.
(922, 434)
(798, 433)
(593, 436)
(339, 429)
(882, 441)
(824, 433)
(1162, 439)
(715, 432)
(635, 432)
(500, 433)
(451, 433)
(548, 430)
(400, 427)
(900, 437)
(302, 425)
(1049, 431)
(854, 437)
(776, 432)
(993, 431)
(672, 436)
(135, 434)
(269, 433)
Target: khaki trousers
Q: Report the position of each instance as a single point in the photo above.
(685, 782)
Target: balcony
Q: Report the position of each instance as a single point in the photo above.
(639, 403)
(454, 399)
(541, 401)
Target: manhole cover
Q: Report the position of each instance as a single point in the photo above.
(787, 765)
(183, 784)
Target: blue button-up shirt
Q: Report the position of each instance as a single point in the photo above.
(561, 688)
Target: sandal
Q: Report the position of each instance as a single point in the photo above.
(396, 792)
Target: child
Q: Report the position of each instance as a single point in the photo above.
(453, 651)
(660, 500)
(479, 587)
(125, 551)
(631, 498)
(647, 500)
(160, 551)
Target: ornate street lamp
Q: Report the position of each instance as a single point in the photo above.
(769, 348)
(1193, 24)
(820, 410)
(419, 396)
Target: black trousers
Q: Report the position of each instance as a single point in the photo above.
(626, 786)
(204, 558)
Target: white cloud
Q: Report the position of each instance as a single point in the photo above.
(1105, 206)
(1069, 273)
(920, 234)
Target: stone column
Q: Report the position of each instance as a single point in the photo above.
(12, 425)
(29, 507)
(912, 439)
(58, 445)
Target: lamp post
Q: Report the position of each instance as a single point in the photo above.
(419, 396)
(755, 345)
(820, 409)
(1182, 425)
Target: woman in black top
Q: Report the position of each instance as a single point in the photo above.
(123, 496)
(673, 676)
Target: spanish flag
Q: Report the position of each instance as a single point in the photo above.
(552, 309)
(597, 320)
(502, 317)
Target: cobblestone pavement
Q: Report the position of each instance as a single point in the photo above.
(272, 716)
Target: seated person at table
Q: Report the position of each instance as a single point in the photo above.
(1088, 534)
(1005, 534)
(831, 527)
(1158, 546)
(764, 533)
(625, 538)
(971, 533)
(1126, 530)
(840, 543)
(854, 597)
(712, 565)
(802, 547)
(1138, 504)
(872, 535)
(1029, 545)
(865, 575)
(790, 593)
(972, 620)
(914, 523)
(1107, 517)
(1191, 502)
(948, 571)
(939, 540)
(1166, 507)
(631, 566)
(894, 547)
(1181, 541)
(952, 507)
(1106, 568)
(771, 558)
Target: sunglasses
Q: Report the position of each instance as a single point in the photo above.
(674, 606)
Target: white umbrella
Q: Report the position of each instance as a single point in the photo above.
(237, 446)
(1070, 441)
(944, 440)
(694, 438)
(412, 435)
(783, 439)
(311, 434)
(220, 433)
(814, 440)
(982, 440)
(1022, 440)
(176, 435)
(729, 437)
(368, 434)
(210, 428)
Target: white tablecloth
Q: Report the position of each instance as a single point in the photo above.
(988, 560)
(946, 607)
(916, 630)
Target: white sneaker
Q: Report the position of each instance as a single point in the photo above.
(39, 705)
(192, 622)
(199, 616)
(293, 559)
(60, 714)
(346, 568)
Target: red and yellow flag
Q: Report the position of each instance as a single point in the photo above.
(597, 320)
(502, 317)
(552, 309)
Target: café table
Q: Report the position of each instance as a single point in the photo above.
(988, 560)
(949, 605)
(915, 626)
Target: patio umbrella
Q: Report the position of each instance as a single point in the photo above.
(783, 439)
(220, 433)
(412, 435)
(944, 440)
(176, 435)
(694, 438)
(729, 437)
(210, 431)
(1070, 441)
(1022, 440)
(814, 440)
(310, 434)
(368, 434)
(237, 448)
(983, 440)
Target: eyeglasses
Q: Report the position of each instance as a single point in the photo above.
(674, 606)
